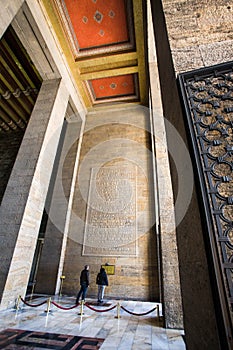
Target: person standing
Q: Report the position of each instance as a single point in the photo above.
(84, 283)
(102, 282)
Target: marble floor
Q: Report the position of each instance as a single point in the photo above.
(128, 325)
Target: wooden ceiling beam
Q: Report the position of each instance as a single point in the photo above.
(16, 106)
(110, 65)
(18, 63)
(12, 94)
(109, 73)
(6, 122)
(15, 76)
(19, 83)
(123, 59)
(22, 56)
(12, 114)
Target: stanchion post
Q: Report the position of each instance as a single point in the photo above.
(18, 302)
(48, 305)
(118, 310)
(32, 292)
(61, 285)
(81, 308)
(158, 312)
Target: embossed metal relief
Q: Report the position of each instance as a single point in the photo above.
(208, 98)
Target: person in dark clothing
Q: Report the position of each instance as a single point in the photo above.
(84, 283)
(102, 282)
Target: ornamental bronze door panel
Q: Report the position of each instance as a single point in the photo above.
(208, 100)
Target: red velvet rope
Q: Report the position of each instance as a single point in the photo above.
(87, 305)
(33, 305)
(143, 314)
(62, 307)
(98, 310)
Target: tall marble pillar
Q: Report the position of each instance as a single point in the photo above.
(25, 195)
(169, 269)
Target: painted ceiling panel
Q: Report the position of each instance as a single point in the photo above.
(97, 26)
(98, 23)
(113, 86)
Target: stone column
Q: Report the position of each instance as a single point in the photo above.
(170, 277)
(57, 207)
(25, 195)
(9, 9)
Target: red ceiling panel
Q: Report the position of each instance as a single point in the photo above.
(97, 26)
(113, 86)
(98, 23)
(114, 89)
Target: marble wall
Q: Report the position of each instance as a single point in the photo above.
(113, 212)
(200, 32)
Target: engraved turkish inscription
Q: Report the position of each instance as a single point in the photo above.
(110, 226)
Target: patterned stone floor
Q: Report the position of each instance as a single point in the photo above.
(126, 325)
(17, 339)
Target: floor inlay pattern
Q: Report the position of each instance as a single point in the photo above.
(21, 339)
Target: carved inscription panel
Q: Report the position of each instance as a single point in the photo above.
(110, 226)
